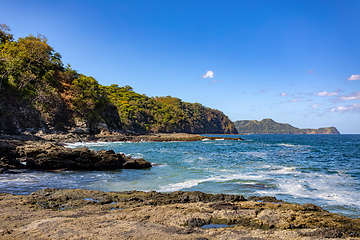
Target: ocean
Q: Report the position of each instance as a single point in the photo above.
(319, 169)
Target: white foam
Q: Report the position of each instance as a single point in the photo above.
(286, 145)
(328, 188)
(193, 182)
(87, 144)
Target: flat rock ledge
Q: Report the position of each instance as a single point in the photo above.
(45, 155)
(87, 214)
(108, 136)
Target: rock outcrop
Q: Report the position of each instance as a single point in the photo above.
(53, 156)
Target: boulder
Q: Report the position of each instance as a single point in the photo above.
(53, 156)
(58, 157)
(137, 164)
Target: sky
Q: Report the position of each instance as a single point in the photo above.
(296, 61)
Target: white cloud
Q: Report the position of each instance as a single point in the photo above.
(354, 77)
(208, 74)
(354, 96)
(349, 108)
(295, 100)
(326, 94)
(283, 94)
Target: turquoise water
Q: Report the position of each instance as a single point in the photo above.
(319, 169)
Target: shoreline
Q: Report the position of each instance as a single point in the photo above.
(88, 214)
(110, 137)
(83, 214)
(53, 212)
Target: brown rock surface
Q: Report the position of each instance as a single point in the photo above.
(85, 214)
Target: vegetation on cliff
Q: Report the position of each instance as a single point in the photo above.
(38, 91)
(269, 126)
(166, 114)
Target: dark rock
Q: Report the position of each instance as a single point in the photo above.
(195, 222)
(223, 205)
(264, 199)
(11, 163)
(54, 156)
(51, 156)
(137, 164)
(312, 207)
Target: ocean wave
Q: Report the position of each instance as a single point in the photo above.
(89, 144)
(194, 182)
(331, 189)
(286, 145)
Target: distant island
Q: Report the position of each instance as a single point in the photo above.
(269, 126)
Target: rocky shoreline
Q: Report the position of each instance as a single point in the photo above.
(47, 151)
(86, 214)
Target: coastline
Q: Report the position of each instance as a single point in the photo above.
(69, 214)
(88, 214)
(107, 136)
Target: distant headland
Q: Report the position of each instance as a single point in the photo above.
(269, 126)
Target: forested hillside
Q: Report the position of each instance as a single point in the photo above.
(269, 126)
(38, 92)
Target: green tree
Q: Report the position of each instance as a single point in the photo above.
(27, 60)
(5, 35)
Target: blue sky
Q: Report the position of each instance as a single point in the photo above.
(296, 62)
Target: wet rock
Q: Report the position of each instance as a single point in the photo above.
(264, 199)
(312, 207)
(53, 156)
(137, 163)
(11, 163)
(223, 205)
(195, 222)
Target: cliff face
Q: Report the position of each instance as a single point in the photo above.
(269, 126)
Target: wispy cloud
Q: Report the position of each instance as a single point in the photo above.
(326, 94)
(354, 77)
(348, 108)
(208, 74)
(354, 96)
(283, 94)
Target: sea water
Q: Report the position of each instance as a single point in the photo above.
(319, 169)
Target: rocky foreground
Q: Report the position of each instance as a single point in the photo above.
(85, 214)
